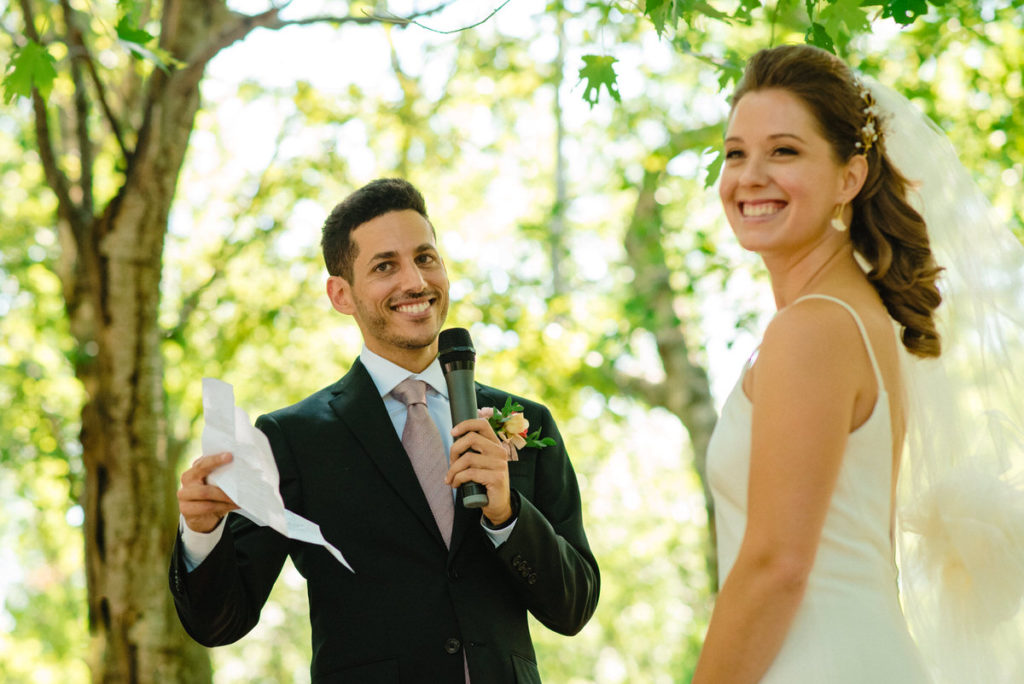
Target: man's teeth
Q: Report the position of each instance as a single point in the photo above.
(761, 209)
(418, 307)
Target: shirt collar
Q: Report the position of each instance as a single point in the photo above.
(386, 375)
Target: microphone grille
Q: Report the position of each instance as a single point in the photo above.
(455, 344)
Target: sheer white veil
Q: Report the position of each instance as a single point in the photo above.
(960, 530)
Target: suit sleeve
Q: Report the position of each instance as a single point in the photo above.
(547, 555)
(220, 601)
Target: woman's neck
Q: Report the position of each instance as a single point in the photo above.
(814, 272)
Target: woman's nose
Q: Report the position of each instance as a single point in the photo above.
(753, 172)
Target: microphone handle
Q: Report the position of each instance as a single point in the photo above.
(462, 398)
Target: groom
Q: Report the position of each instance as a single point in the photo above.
(440, 593)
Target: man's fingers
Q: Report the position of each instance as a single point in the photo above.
(195, 509)
(203, 466)
(483, 457)
(475, 442)
(484, 476)
(478, 426)
(203, 492)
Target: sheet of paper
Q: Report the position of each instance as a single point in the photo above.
(251, 479)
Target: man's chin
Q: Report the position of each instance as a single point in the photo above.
(416, 342)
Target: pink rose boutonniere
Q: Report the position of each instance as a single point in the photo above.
(512, 428)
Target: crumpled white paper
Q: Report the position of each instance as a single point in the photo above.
(251, 478)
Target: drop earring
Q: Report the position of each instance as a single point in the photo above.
(837, 220)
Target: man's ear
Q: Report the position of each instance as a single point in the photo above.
(339, 291)
(854, 175)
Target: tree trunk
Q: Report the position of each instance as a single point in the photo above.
(686, 390)
(112, 287)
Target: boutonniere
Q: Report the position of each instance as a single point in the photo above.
(513, 429)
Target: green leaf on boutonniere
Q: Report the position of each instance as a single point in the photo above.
(511, 426)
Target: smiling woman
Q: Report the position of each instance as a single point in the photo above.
(781, 182)
(803, 462)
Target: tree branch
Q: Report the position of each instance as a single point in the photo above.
(78, 53)
(271, 20)
(405, 21)
(653, 393)
(55, 177)
(190, 302)
(30, 21)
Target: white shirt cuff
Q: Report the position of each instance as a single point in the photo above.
(498, 537)
(198, 545)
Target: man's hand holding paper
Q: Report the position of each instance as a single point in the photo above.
(237, 472)
(202, 504)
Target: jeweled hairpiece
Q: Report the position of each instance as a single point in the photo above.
(871, 130)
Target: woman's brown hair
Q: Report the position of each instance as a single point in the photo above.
(888, 232)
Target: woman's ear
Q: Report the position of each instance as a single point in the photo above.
(854, 175)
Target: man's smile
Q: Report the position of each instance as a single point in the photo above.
(416, 307)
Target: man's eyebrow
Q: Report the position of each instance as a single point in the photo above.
(384, 255)
(391, 254)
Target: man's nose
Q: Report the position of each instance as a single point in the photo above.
(412, 278)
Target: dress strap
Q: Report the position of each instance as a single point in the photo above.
(860, 326)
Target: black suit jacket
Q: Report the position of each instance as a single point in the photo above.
(412, 606)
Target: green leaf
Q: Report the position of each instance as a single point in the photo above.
(534, 440)
(745, 10)
(658, 12)
(714, 167)
(597, 71)
(30, 67)
(817, 35)
(707, 10)
(905, 11)
(130, 33)
(848, 13)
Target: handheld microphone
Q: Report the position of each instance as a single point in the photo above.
(458, 359)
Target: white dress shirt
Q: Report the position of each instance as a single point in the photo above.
(386, 376)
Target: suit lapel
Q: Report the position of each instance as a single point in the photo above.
(357, 403)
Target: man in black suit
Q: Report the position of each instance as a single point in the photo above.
(418, 608)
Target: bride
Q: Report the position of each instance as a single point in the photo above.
(804, 463)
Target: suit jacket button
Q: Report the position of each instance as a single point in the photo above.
(452, 645)
(453, 574)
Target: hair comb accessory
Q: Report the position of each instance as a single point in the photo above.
(871, 130)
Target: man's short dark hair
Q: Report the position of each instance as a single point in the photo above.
(374, 199)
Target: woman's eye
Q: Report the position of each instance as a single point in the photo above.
(785, 150)
(733, 154)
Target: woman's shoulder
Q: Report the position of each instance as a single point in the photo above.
(816, 338)
(813, 323)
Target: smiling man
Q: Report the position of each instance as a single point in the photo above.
(440, 593)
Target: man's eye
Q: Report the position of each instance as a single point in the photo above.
(426, 258)
(382, 266)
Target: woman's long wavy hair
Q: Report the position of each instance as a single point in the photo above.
(888, 232)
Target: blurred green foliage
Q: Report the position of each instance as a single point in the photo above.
(470, 120)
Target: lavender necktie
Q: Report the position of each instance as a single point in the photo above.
(422, 442)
